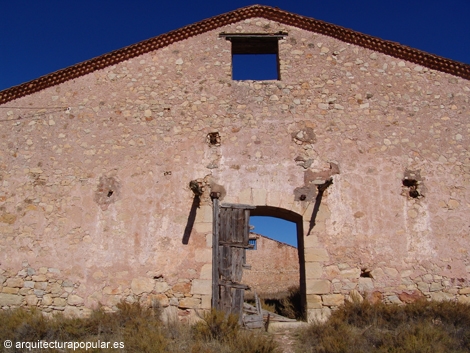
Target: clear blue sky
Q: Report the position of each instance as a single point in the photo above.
(275, 228)
(39, 37)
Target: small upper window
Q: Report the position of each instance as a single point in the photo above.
(255, 56)
(252, 242)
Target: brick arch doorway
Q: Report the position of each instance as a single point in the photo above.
(297, 219)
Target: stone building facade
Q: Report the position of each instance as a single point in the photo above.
(273, 266)
(362, 142)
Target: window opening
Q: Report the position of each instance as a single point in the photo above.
(255, 56)
(253, 243)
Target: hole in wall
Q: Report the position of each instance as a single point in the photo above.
(110, 193)
(213, 138)
(412, 184)
(365, 273)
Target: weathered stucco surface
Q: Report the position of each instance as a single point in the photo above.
(94, 174)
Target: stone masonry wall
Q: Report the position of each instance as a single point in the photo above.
(94, 174)
(274, 266)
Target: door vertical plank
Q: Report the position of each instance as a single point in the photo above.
(215, 253)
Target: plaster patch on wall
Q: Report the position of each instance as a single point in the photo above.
(315, 181)
(107, 192)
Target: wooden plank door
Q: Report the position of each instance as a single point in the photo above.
(230, 240)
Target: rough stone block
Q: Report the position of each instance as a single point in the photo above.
(72, 311)
(318, 315)
(206, 302)
(377, 273)
(181, 288)
(39, 293)
(391, 272)
(409, 298)
(423, 286)
(14, 282)
(259, 197)
(311, 241)
(314, 301)
(31, 300)
(331, 271)
(206, 271)
(203, 227)
(375, 297)
(10, 290)
(209, 240)
(441, 296)
(464, 290)
(160, 299)
(74, 299)
(323, 214)
(54, 288)
(40, 278)
(161, 287)
(287, 202)
(394, 299)
(47, 300)
(201, 286)
(189, 303)
(28, 284)
(245, 197)
(318, 286)
(365, 284)
(40, 285)
(273, 198)
(355, 296)
(204, 214)
(313, 270)
(351, 273)
(316, 254)
(59, 302)
(203, 255)
(297, 207)
(113, 300)
(7, 299)
(142, 285)
(333, 299)
(464, 299)
(436, 286)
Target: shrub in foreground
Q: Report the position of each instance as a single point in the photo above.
(364, 327)
(139, 328)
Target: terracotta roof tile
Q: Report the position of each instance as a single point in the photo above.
(387, 47)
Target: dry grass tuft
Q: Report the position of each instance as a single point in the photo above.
(139, 328)
(436, 327)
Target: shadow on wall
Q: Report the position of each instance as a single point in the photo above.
(191, 219)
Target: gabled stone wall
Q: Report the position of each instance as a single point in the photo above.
(95, 172)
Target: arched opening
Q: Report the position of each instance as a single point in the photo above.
(277, 271)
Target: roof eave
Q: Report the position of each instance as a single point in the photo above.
(346, 35)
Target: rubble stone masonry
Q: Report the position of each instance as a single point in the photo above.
(94, 175)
